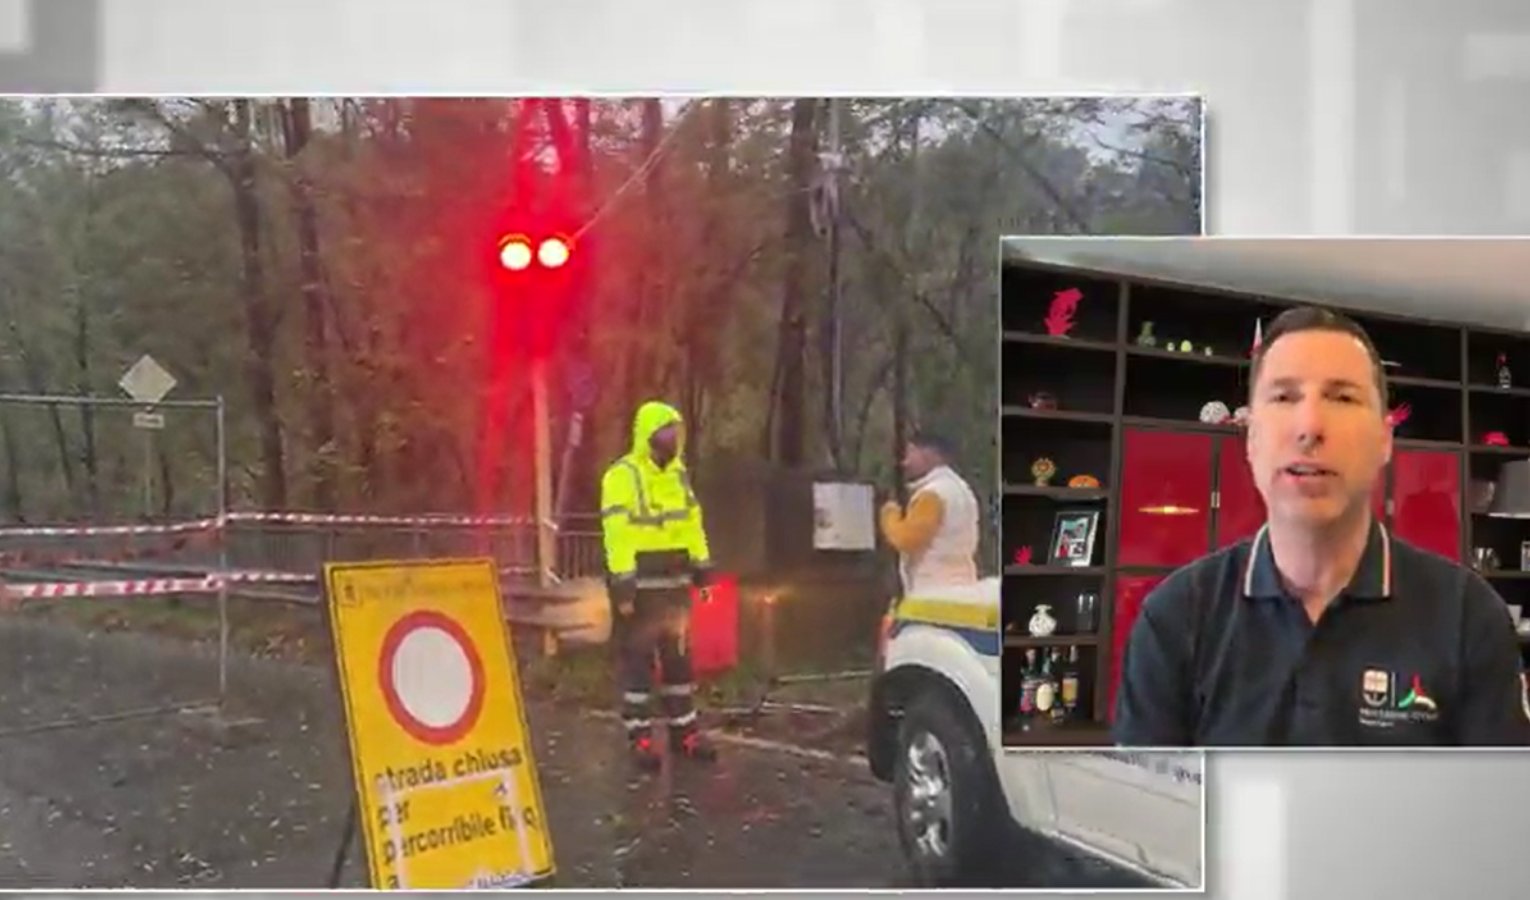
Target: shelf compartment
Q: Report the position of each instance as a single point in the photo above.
(1027, 293)
(1499, 411)
(1199, 316)
(1425, 353)
(1078, 380)
(1435, 415)
(1076, 443)
(1177, 386)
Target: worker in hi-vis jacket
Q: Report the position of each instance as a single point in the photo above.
(656, 551)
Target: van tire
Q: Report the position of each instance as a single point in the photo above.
(955, 842)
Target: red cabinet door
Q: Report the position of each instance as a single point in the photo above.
(1131, 590)
(1240, 508)
(1165, 497)
(1426, 495)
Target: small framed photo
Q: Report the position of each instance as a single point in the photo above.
(1073, 537)
(1524, 556)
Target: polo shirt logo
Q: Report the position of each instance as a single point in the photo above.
(1376, 687)
(1383, 708)
(1416, 697)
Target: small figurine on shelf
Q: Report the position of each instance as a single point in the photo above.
(1044, 400)
(1043, 470)
(1185, 347)
(1083, 481)
(1059, 320)
(1042, 624)
(1207, 350)
(1023, 556)
(1505, 378)
(1399, 415)
(1146, 338)
(1495, 439)
(1215, 413)
(1240, 416)
(1258, 337)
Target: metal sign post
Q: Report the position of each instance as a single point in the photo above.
(147, 382)
(546, 541)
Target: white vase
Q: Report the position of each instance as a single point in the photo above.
(1042, 624)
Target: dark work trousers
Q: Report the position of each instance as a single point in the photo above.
(657, 630)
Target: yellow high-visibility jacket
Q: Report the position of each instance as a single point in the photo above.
(645, 509)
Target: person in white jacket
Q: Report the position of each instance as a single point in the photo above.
(936, 536)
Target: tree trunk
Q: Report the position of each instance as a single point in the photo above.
(13, 500)
(35, 383)
(297, 129)
(354, 344)
(87, 412)
(791, 349)
(259, 319)
(166, 483)
(706, 317)
(652, 281)
(900, 325)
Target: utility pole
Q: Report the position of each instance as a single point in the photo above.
(825, 210)
(547, 541)
(837, 384)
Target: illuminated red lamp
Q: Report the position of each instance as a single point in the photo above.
(515, 252)
(517, 255)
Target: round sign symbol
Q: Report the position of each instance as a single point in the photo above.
(431, 677)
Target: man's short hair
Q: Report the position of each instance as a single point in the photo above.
(1317, 318)
(930, 440)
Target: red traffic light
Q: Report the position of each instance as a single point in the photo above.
(516, 254)
(553, 252)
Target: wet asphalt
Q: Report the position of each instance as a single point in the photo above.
(161, 801)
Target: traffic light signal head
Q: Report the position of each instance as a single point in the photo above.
(518, 252)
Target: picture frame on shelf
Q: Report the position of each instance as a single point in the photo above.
(1073, 536)
(1524, 556)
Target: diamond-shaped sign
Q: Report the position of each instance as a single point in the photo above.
(147, 381)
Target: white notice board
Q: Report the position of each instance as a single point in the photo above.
(844, 516)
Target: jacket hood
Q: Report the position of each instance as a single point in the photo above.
(652, 416)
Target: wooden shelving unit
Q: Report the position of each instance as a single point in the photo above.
(1105, 384)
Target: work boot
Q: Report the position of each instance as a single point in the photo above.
(644, 755)
(692, 744)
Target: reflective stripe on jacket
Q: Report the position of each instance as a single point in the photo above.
(644, 508)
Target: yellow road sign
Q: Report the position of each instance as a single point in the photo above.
(440, 749)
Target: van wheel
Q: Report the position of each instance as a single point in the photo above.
(946, 796)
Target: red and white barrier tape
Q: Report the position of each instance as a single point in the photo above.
(144, 588)
(147, 587)
(284, 518)
(106, 530)
(270, 577)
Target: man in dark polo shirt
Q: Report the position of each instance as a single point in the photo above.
(1324, 629)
